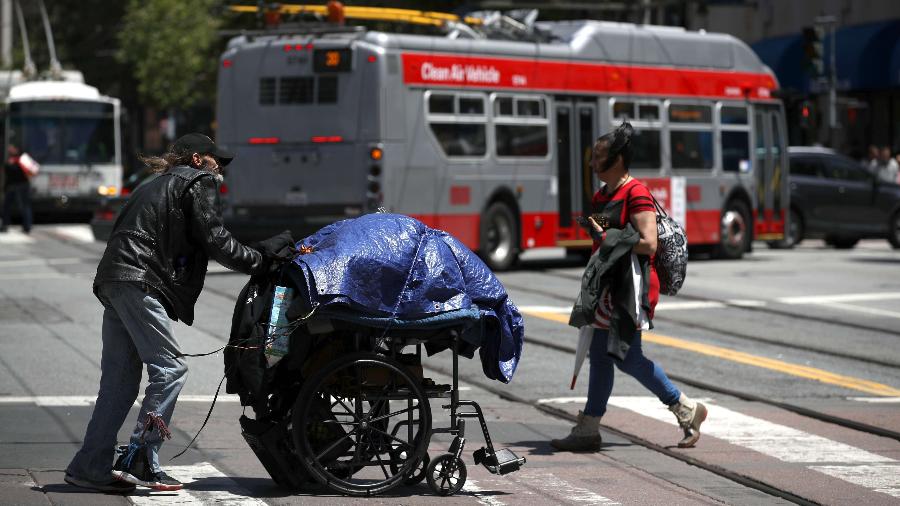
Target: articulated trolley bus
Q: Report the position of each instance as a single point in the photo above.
(490, 139)
(74, 133)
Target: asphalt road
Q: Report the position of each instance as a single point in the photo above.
(812, 328)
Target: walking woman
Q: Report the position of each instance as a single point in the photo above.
(624, 200)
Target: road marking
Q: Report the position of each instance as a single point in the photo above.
(13, 236)
(801, 371)
(883, 478)
(546, 309)
(563, 400)
(471, 486)
(746, 302)
(784, 443)
(88, 400)
(860, 309)
(847, 297)
(212, 487)
(37, 262)
(876, 400)
(78, 233)
(551, 484)
(36, 275)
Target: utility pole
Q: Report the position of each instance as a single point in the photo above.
(830, 23)
(6, 33)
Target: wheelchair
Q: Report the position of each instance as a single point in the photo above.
(352, 411)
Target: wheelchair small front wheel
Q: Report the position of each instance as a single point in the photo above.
(446, 474)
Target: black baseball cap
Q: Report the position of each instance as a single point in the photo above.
(199, 143)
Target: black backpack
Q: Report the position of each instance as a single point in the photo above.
(671, 252)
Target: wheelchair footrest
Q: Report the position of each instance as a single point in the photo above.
(500, 462)
(269, 440)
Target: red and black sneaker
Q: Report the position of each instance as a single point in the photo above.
(133, 466)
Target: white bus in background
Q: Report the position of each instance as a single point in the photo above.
(74, 132)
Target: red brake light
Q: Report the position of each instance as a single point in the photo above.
(372, 58)
(264, 140)
(104, 215)
(223, 189)
(288, 47)
(125, 192)
(226, 63)
(327, 138)
(309, 46)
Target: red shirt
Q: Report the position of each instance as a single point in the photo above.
(616, 211)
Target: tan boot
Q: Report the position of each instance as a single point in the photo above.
(690, 415)
(585, 436)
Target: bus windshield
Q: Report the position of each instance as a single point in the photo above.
(63, 132)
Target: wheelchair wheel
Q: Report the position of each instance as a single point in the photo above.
(446, 474)
(344, 424)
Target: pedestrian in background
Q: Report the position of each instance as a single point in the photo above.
(888, 168)
(17, 172)
(150, 275)
(621, 201)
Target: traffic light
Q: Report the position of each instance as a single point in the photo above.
(805, 114)
(812, 49)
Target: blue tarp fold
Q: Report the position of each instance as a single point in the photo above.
(389, 266)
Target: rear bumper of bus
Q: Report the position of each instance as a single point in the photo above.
(64, 205)
(252, 223)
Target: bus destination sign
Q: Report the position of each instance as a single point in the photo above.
(332, 60)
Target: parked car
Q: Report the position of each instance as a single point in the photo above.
(840, 200)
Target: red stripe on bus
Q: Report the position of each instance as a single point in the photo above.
(530, 74)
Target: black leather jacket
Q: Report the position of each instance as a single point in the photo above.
(164, 236)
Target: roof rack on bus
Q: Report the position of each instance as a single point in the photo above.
(288, 29)
(513, 25)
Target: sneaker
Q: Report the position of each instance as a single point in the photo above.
(133, 466)
(690, 415)
(113, 485)
(584, 437)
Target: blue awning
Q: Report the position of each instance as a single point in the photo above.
(868, 57)
(784, 55)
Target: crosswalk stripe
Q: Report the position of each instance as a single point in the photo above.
(786, 444)
(212, 487)
(12, 236)
(79, 233)
(87, 400)
(569, 493)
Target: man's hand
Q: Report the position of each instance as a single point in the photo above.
(279, 248)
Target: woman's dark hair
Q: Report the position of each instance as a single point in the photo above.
(164, 162)
(618, 143)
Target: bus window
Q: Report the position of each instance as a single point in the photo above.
(440, 104)
(266, 91)
(460, 139)
(471, 105)
(623, 110)
(691, 136)
(735, 151)
(646, 142)
(648, 112)
(529, 107)
(734, 115)
(734, 123)
(646, 151)
(690, 113)
(327, 91)
(503, 106)
(295, 90)
(521, 128)
(458, 123)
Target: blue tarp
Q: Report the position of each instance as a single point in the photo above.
(390, 266)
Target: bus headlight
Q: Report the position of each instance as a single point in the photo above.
(108, 191)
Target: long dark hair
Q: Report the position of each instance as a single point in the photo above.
(164, 162)
(618, 143)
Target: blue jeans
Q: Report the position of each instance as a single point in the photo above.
(21, 194)
(635, 364)
(136, 331)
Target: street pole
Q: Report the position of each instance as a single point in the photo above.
(831, 22)
(6, 33)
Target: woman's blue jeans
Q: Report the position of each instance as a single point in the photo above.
(635, 364)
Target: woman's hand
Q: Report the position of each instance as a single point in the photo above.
(597, 230)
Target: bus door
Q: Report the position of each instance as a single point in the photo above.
(576, 131)
(771, 173)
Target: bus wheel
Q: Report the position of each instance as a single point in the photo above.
(792, 236)
(498, 237)
(735, 233)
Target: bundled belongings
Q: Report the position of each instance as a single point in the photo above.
(341, 330)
